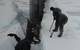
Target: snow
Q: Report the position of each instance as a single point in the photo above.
(7, 13)
(12, 22)
(7, 43)
(71, 37)
(9, 24)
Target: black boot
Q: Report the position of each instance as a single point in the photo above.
(54, 30)
(60, 35)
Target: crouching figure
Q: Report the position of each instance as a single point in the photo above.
(60, 20)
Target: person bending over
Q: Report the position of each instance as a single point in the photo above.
(60, 18)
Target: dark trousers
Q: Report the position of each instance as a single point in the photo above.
(60, 25)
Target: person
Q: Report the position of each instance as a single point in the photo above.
(24, 44)
(60, 18)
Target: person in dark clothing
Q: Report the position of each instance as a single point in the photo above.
(24, 44)
(60, 18)
(33, 31)
(15, 36)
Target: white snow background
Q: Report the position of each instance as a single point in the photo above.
(71, 36)
(9, 23)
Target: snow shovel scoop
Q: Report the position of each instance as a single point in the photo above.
(51, 34)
